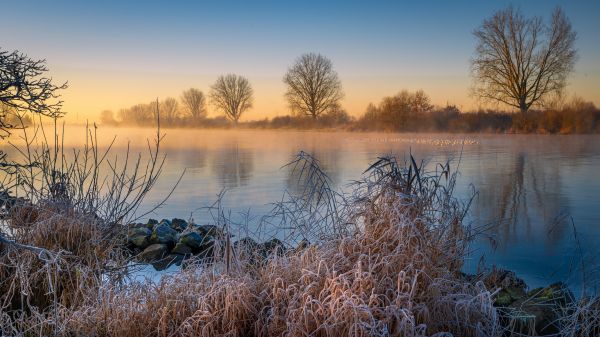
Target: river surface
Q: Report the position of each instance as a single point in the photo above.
(540, 194)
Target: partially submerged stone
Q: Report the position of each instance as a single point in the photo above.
(163, 233)
(182, 248)
(179, 224)
(511, 288)
(153, 253)
(192, 240)
(139, 237)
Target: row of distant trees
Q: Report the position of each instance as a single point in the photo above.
(412, 111)
(313, 89)
(191, 107)
(519, 62)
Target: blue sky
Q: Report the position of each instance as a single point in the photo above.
(117, 53)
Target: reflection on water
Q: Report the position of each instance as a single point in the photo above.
(525, 183)
(233, 165)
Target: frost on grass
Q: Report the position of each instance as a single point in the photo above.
(391, 267)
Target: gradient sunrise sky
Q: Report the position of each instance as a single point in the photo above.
(116, 53)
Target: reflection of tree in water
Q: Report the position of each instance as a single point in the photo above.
(233, 165)
(194, 158)
(526, 199)
(328, 161)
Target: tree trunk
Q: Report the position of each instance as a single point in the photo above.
(523, 106)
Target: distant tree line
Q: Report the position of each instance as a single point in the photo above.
(412, 112)
(519, 62)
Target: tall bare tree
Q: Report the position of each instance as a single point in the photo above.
(519, 60)
(194, 102)
(25, 88)
(232, 94)
(313, 87)
(169, 110)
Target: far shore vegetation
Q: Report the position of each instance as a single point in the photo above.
(405, 112)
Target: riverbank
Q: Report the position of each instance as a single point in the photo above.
(386, 260)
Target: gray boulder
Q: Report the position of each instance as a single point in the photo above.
(139, 237)
(182, 248)
(163, 233)
(179, 224)
(153, 253)
(192, 240)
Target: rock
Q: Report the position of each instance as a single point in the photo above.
(163, 233)
(207, 248)
(247, 250)
(273, 246)
(211, 230)
(540, 309)
(511, 287)
(182, 248)
(247, 244)
(179, 224)
(192, 240)
(139, 237)
(558, 293)
(304, 244)
(167, 261)
(153, 253)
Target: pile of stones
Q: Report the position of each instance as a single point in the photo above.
(167, 242)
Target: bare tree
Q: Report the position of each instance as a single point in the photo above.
(195, 103)
(23, 86)
(520, 60)
(313, 87)
(107, 117)
(169, 110)
(232, 94)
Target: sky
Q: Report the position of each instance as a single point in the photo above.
(115, 54)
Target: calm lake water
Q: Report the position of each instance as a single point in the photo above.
(528, 186)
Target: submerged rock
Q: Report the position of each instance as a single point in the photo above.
(163, 233)
(153, 253)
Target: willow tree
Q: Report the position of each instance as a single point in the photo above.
(232, 95)
(519, 61)
(313, 87)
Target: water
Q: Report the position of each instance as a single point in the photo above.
(529, 186)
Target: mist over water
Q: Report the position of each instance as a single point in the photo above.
(528, 187)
